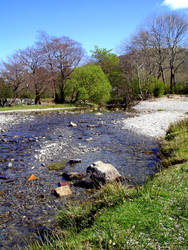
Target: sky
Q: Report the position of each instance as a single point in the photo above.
(105, 23)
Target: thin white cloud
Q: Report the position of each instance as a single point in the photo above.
(176, 4)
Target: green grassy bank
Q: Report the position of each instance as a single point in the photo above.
(44, 106)
(153, 216)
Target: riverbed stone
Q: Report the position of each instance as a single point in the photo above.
(104, 172)
(70, 176)
(33, 178)
(74, 161)
(72, 124)
(98, 174)
(63, 191)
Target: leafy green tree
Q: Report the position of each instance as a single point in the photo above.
(110, 64)
(89, 83)
(108, 61)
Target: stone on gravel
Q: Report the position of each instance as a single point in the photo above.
(98, 114)
(74, 161)
(33, 178)
(63, 191)
(72, 124)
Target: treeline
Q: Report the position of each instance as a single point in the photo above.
(154, 61)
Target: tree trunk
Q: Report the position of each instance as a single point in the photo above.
(61, 88)
(139, 83)
(37, 97)
(172, 80)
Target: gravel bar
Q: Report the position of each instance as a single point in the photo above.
(154, 117)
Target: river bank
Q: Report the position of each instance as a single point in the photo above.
(151, 216)
(154, 117)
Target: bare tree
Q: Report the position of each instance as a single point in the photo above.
(139, 51)
(45, 44)
(68, 55)
(13, 72)
(62, 55)
(32, 59)
(176, 28)
(157, 42)
(159, 49)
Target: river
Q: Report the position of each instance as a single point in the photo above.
(33, 141)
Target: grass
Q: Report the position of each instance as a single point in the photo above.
(45, 106)
(152, 216)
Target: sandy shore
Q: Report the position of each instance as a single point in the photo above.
(155, 116)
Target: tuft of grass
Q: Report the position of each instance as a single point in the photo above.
(152, 216)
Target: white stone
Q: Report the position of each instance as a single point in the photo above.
(107, 171)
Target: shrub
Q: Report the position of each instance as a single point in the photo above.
(156, 87)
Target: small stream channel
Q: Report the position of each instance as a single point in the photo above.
(32, 142)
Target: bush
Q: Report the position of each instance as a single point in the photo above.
(5, 90)
(89, 83)
(181, 88)
(157, 88)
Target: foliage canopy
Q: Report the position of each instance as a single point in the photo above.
(89, 83)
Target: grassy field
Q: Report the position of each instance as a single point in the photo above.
(45, 106)
(152, 216)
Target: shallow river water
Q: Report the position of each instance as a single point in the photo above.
(31, 142)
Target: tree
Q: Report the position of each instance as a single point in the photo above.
(89, 83)
(176, 28)
(33, 60)
(168, 36)
(157, 41)
(5, 92)
(158, 50)
(62, 55)
(139, 52)
(13, 72)
(108, 61)
(45, 44)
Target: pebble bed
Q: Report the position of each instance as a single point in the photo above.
(154, 117)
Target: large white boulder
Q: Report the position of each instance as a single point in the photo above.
(103, 171)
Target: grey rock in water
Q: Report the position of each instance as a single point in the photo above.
(104, 171)
(72, 124)
(74, 161)
(98, 174)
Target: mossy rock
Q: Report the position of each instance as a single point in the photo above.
(57, 165)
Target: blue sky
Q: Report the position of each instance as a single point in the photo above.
(91, 22)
